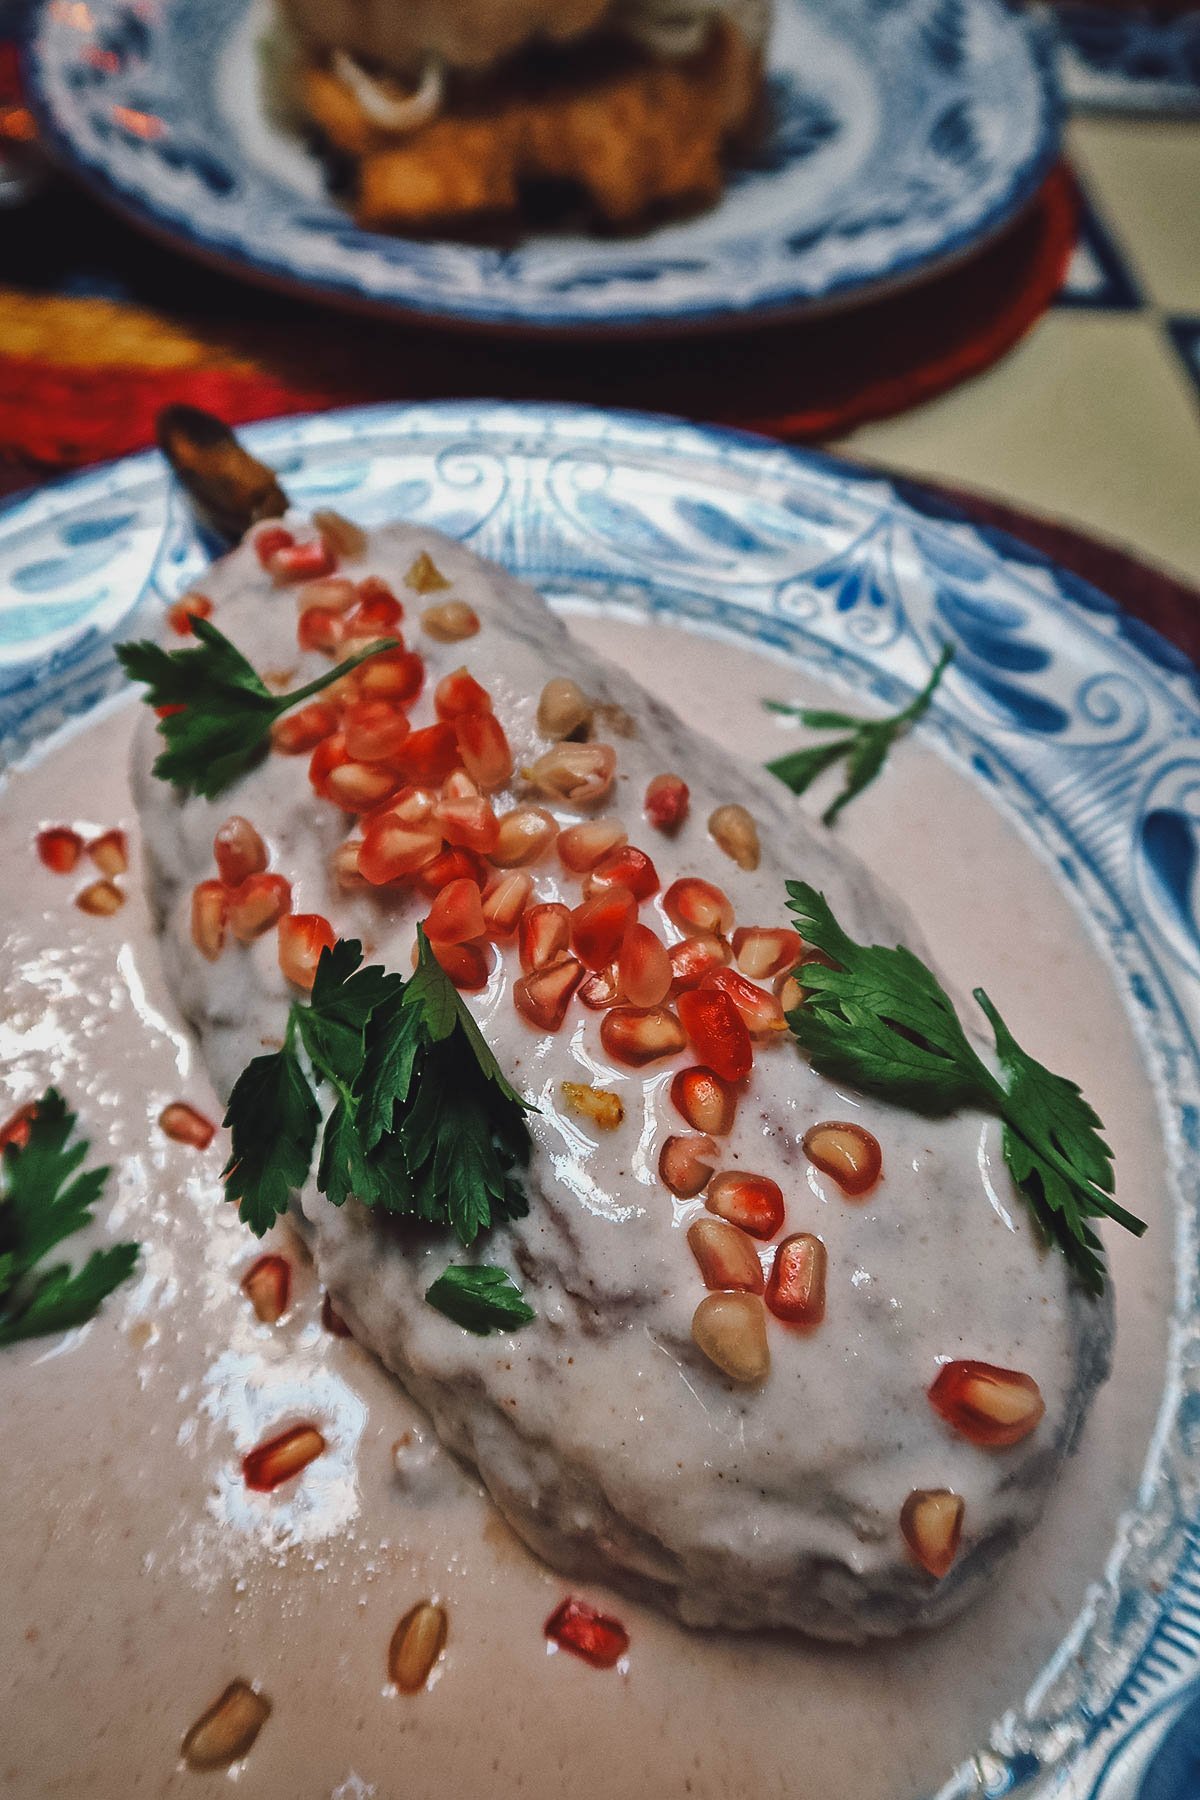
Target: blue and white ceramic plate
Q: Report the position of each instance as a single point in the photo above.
(905, 133)
(1079, 725)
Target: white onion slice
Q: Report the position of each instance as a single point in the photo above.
(381, 103)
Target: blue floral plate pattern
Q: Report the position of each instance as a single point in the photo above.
(1080, 724)
(902, 133)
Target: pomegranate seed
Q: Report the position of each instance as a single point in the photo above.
(302, 937)
(343, 536)
(704, 1100)
(731, 1330)
(301, 562)
(484, 749)
(458, 785)
(467, 965)
(303, 729)
(471, 823)
(414, 806)
(789, 993)
(238, 851)
(210, 915)
(333, 594)
(427, 756)
(643, 967)
(392, 675)
(332, 1320)
(504, 903)
(456, 864)
(666, 802)
(267, 1284)
(542, 997)
(258, 904)
(725, 1256)
(374, 587)
(847, 1153)
(459, 693)
(425, 577)
(990, 1406)
(717, 1032)
(544, 936)
(796, 1288)
(753, 1202)
(594, 1636)
(763, 951)
(601, 988)
(185, 609)
(931, 1522)
(456, 916)
(692, 958)
(15, 1132)
(270, 538)
(417, 1642)
(344, 867)
(697, 906)
(59, 848)
(576, 774)
(581, 847)
(377, 616)
(685, 1165)
(735, 832)
(227, 1731)
(525, 834)
(564, 710)
(353, 786)
(101, 899)
(450, 621)
(320, 628)
(374, 730)
(392, 849)
(636, 1038)
(760, 1010)
(270, 1464)
(625, 867)
(184, 1125)
(605, 1110)
(599, 924)
(167, 712)
(110, 853)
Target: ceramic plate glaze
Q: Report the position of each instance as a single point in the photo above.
(1081, 727)
(903, 133)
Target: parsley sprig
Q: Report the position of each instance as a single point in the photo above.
(865, 747)
(44, 1200)
(423, 1122)
(881, 1021)
(223, 713)
(480, 1299)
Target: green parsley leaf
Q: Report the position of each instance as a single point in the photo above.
(480, 1299)
(224, 713)
(272, 1118)
(44, 1201)
(865, 749)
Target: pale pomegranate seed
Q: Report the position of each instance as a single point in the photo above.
(320, 628)
(847, 1153)
(101, 898)
(344, 867)
(643, 967)
(544, 936)
(427, 756)
(459, 693)
(717, 1032)
(576, 774)
(542, 997)
(789, 993)
(992, 1407)
(764, 951)
(424, 577)
(734, 830)
(417, 1642)
(624, 867)
(594, 1636)
(704, 1100)
(731, 1330)
(110, 852)
(450, 621)
(484, 749)
(685, 1165)
(393, 849)
(267, 1285)
(238, 851)
(227, 1731)
(304, 729)
(343, 536)
(258, 904)
(392, 675)
(581, 847)
(15, 1132)
(270, 1464)
(931, 1522)
(697, 907)
(601, 988)
(210, 916)
(796, 1286)
(692, 958)
(470, 823)
(526, 833)
(332, 1320)
(184, 1125)
(333, 594)
(760, 1010)
(504, 903)
(301, 562)
(752, 1202)
(725, 1256)
(185, 609)
(302, 938)
(374, 730)
(467, 965)
(456, 916)
(564, 710)
(59, 848)
(636, 1038)
(599, 924)
(456, 864)
(268, 539)
(604, 1109)
(666, 802)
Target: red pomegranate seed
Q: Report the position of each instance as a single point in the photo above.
(110, 852)
(268, 539)
(59, 848)
(374, 730)
(15, 1133)
(505, 901)
(576, 774)
(471, 823)
(393, 849)
(258, 904)
(582, 846)
(267, 1284)
(544, 936)
(456, 916)
(210, 916)
(302, 937)
(238, 851)
(332, 1319)
(343, 866)
(459, 693)
(467, 965)
(725, 1256)
(542, 997)
(414, 806)
(185, 609)
(303, 730)
(456, 864)
(685, 1165)
(167, 712)
(360, 787)
(666, 802)
(796, 1288)
(101, 899)
(931, 1522)
(625, 867)
(320, 628)
(377, 618)
(697, 906)
(373, 588)
(717, 1032)
(992, 1407)
(601, 988)
(764, 951)
(301, 562)
(760, 1010)
(184, 1125)
(392, 675)
(692, 958)
(595, 1636)
(525, 834)
(459, 786)
(427, 756)
(704, 1100)
(484, 749)
(599, 924)
(270, 1464)
(643, 967)
(847, 1153)
(752, 1202)
(635, 1038)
